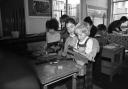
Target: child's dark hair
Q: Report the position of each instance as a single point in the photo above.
(52, 24)
(88, 20)
(101, 27)
(70, 20)
(123, 18)
(63, 18)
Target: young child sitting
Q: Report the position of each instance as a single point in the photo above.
(52, 36)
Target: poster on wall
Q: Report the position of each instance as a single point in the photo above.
(40, 7)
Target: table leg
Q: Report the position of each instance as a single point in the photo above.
(45, 87)
(74, 81)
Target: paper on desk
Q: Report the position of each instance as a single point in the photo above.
(110, 46)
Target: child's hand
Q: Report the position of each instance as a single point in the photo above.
(81, 50)
(64, 54)
(80, 62)
(90, 57)
(74, 49)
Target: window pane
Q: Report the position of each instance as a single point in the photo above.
(118, 0)
(73, 8)
(120, 9)
(116, 17)
(59, 8)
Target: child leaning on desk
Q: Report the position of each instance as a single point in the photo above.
(83, 49)
(86, 47)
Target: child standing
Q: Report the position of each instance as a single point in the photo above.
(87, 49)
(72, 39)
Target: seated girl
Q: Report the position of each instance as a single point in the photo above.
(52, 36)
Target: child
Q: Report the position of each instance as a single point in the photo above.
(72, 39)
(85, 45)
(64, 33)
(87, 49)
(52, 36)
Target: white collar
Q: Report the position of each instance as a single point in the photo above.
(84, 40)
(97, 35)
(72, 35)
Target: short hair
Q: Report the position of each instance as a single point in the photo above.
(64, 18)
(70, 20)
(82, 27)
(88, 20)
(102, 27)
(52, 24)
(123, 18)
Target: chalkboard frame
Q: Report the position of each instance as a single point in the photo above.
(40, 7)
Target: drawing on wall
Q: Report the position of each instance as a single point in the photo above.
(40, 7)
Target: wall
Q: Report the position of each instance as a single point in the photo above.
(34, 24)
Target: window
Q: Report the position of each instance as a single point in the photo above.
(97, 14)
(120, 8)
(69, 7)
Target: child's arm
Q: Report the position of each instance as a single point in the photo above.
(64, 53)
(87, 52)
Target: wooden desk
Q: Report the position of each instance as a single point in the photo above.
(121, 39)
(51, 73)
(112, 58)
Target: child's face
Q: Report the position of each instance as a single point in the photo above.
(88, 25)
(81, 36)
(51, 30)
(70, 27)
(63, 24)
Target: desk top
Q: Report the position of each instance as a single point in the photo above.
(49, 72)
(112, 49)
